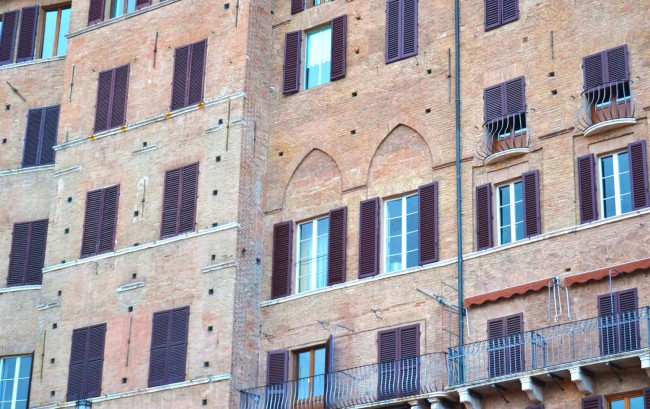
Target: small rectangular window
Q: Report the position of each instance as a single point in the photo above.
(27, 253)
(310, 373)
(510, 215)
(628, 402)
(318, 57)
(86, 362)
(401, 232)
(15, 372)
(616, 196)
(168, 347)
(55, 28)
(121, 7)
(179, 201)
(40, 136)
(313, 240)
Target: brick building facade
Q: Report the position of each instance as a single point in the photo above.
(255, 205)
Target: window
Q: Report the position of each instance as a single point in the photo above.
(168, 346)
(121, 7)
(318, 55)
(399, 351)
(627, 402)
(313, 239)
(179, 202)
(615, 184)
(500, 12)
(510, 215)
(110, 111)
(310, 373)
(505, 346)
(55, 28)
(189, 72)
(27, 253)
(401, 232)
(115, 8)
(15, 373)
(313, 3)
(86, 362)
(505, 115)
(100, 221)
(401, 29)
(619, 322)
(40, 136)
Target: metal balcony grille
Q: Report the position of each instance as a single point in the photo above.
(502, 135)
(606, 103)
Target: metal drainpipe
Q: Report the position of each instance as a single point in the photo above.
(459, 196)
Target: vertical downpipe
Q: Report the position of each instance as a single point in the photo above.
(459, 196)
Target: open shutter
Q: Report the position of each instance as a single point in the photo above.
(108, 219)
(36, 256)
(492, 14)
(646, 398)
(369, 238)
(171, 198)
(19, 254)
(277, 367)
(141, 4)
(638, 174)
(388, 356)
(8, 36)
(196, 72)
(509, 11)
(297, 6)
(119, 97)
(189, 191)
(281, 265)
(91, 223)
(102, 109)
(32, 137)
(48, 138)
(627, 305)
(178, 344)
(336, 252)
(515, 96)
(179, 82)
(484, 217)
(291, 72)
(617, 65)
(95, 361)
(496, 332)
(532, 219)
(493, 103)
(428, 223)
(339, 47)
(159, 347)
(592, 402)
(96, 11)
(587, 189)
(409, 28)
(393, 30)
(592, 69)
(76, 374)
(27, 34)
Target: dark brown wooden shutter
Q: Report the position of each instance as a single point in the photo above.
(336, 252)
(592, 402)
(96, 11)
(291, 71)
(48, 135)
(189, 193)
(196, 72)
(297, 6)
(95, 360)
(142, 4)
(8, 36)
(170, 203)
(77, 364)
(119, 92)
(277, 367)
(108, 220)
(514, 326)
(409, 28)
(509, 11)
(158, 355)
(484, 217)
(496, 355)
(169, 346)
(339, 47)
(493, 103)
(617, 65)
(27, 253)
(638, 174)
(592, 70)
(492, 14)
(179, 201)
(36, 257)
(393, 30)
(515, 94)
(428, 223)
(35, 118)
(646, 398)
(102, 109)
(19, 253)
(179, 82)
(608, 331)
(587, 189)
(86, 362)
(329, 354)
(388, 351)
(282, 258)
(92, 221)
(369, 238)
(408, 379)
(27, 34)
(628, 331)
(178, 344)
(532, 214)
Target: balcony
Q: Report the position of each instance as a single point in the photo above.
(503, 138)
(607, 107)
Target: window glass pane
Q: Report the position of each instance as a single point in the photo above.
(608, 187)
(318, 55)
(412, 204)
(504, 213)
(319, 361)
(504, 195)
(25, 366)
(304, 364)
(412, 258)
(617, 404)
(303, 277)
(394, 263)
(131, 6)
(23, 388)
(609, 206)
(636, 402)
(412, 241)
(395, 245)
(7, 390)
(8, 368)
(519, 231)
(395, 227)
(623, 162)
(118, 8)
(626, 203)
(412, 222)
(624, 182)
(49, 33)
(518, 196)
(607, 166)
(505, 235)
(64, 28)
(21, 405)
(394, 208)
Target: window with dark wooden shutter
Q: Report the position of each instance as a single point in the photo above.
(605, 67)
(291, 70)
(493, 102)
(27, 34)
(638, 174)
(505, 352)
(8, 36)
(500, 12)
(587, 189)
(388, 355)
(27, 253)
(277, 373)
(297, 6)
(179, 82)
(428, 223)
(592, 402)
(339, 47)
(401, 29)
(141, 4)
(532, 219)
(96, 11)
(112, 93)
(169, 346)
(399, 351)
(282, 256)
(619, 327)
(369, 238)
(393, 26)
(86, 362)
(484, 217)
(409, 28)
(100, 221)
(189, 75)
(40, 136)
(337, 246)
(179, 202)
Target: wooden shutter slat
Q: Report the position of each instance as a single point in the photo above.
(369, 238)
(49, 133)
(282, 257)
(291, 70)
(492, 14)
(530, 188)
(197, 72)
(339, 47)
(628, 329)
(118, 98)
(388, 351)
(168, 226)
(393, 36)
(36, 256)
(96, 11)
(428, 223)
(19, 253)
(607, 331)
(27, 34)
(189, 191)
(92, 220)
(179, 82)
(277, 367)
(95, 361)
(337, 246)
(178, 344)
(108, 219)
(102, 109)
(493, 103)
(617, 64)
(139, 4)
(409, 28)
(297, 6)
(76, 373)
(587, 189)
(8, 36)
(159, 348)
(638, 174)
(496, 330)
(409, 344)
(509, 11)
(32, 137)
(484, 234)
(86, 362)
(515, 96)
(592, 402)
(592, 70)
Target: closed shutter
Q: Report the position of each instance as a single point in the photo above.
(27, 253)
(103, 107)
(282, 256)
(36, 258)
(401, 29)
(393, 30)
(179, 82)
(91, 223)
(592, 70)
(587, 189)
(277, 367)
(108, 219)
(27, 34)
(196, 72)
(291, 70)
(532, 219)
(493, 103)
(337, 246)
(339, 47)
(86, 362)
(119, 94)
(428, 223)
(8, 36)
(592, 402)
(409, 28)
(179, 202)
(168, 226)
(606, 67)
(189, 192)
(35, 118)
(96, 11)
(76, 373)
(158, 356)
(646, 398)
(369, 238)
(19, 252)
(628, 331)
(49, 133)
(492, 14)
(408, 368)
(484, 217)
(388, 356)
(141, 4)
(515, 96)
(617, 65)
(169, 346)
(514, 326)
(95, 360)
(608, 331)
(509, 10)
(297, 6)
(496, 332)
(638, 174)
(178, 344)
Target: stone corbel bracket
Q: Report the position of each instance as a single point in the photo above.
(532, 388)
(583, 381)
(645, 362)
(469, 399)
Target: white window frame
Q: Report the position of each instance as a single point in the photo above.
(385, 232)
(513, 211)
(16, 378)
(307, 52)
(617, 184)
(313, 265)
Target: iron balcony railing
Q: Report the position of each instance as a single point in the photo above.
(501, 135)
(550, 347)
(348, 387)
(605, 103)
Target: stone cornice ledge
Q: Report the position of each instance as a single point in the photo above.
(132, 249)
(20, 288)
(150, 120)
(219, 266)
(31, 169)
(121, 395)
